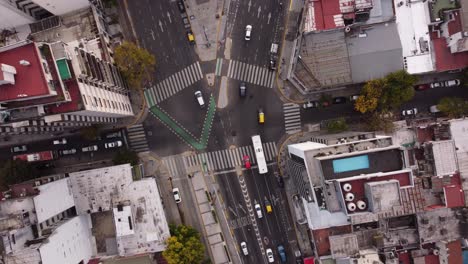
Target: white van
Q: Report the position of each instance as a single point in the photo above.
(433, 109)
(199, 97)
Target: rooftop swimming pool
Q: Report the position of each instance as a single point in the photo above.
(351, 164)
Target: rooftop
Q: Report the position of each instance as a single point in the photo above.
(344, 245)
(54, 198)
(438, 225)
(139, 221)
(29, 80)
(379, 161)
(445, 159)
(412, 20)
(370, 45)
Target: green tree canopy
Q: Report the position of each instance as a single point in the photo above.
(184, 246)
(399, 88)
(125, 156)
(135, 63)
(337, 125)
(16, 171)
(380, 121)
(90, 132)
(453, 106)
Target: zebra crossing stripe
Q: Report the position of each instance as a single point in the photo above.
(250, 73)
(229, 69)
(191, 75)
(241, 70)
(272, 81)
(200, 71)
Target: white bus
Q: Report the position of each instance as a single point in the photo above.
(261, 162)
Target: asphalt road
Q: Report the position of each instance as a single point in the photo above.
(273, 227)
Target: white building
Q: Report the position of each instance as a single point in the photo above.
(17, 12)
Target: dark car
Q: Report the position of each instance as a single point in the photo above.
(339, 100)
(280, 181)
(181, 6)
(422, 87)
(282, 253)
(242, 90)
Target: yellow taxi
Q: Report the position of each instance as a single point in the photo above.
(261, 116)
(191, 37)
(268, 207)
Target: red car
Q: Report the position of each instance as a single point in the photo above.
(247, 162)
(421, 87)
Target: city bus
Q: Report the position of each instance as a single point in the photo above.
(259, 155)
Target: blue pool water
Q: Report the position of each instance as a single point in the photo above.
(350, 164)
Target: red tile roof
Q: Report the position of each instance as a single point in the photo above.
(29, 80)
(455, 25)
(454, 196)
(445, 60)
(74, 105)
(322, 243)
(455, 252)
(324, 12)
(404, 258)
(431, 259)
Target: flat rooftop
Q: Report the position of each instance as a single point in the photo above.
(30, 81)
(379, 161)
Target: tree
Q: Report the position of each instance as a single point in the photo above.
(368, 100)
(16, 171)
(398, 89)
(337, 125)
(380, 121)
(135, 63)
(126, 156)
(453, 106)
(184, 246)
(90, 132)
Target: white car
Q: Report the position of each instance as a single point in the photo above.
(243, 246)
(409, 112)
(269, 254)
(67, 151)
(199, 97)
(89, 148)
(19, 149)
(248, 32)
(113, 144)
(176, 194)
(62, 141)
(258, 209)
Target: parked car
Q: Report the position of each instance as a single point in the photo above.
(199, 97)
(353, 98)
(451, 83)
(282, 253)
(243, 246)
(437, 84)
(310, 104)
(247, 162)
(248, 32)
(258, 209)
(62, 141)
(114, 144)
(242, 89)
(176, 194)
(19, 149)
(422, 87)
(269, 254)
(280, 181)
(180, 5)
(409, 112)
(339, 100)
(186, 22)
(191, 37)
(114, 135)
(67, 151)
(89, 148)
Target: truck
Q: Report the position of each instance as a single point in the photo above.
(38, 156)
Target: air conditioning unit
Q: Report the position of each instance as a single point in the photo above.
(361, 205)
(349, 197)
(347, 187)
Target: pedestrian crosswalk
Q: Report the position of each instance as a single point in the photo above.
(292, 118)
(173, 84)
(251, 73)
(137, 138)
(217, 160)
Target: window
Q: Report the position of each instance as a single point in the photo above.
(84, 100)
